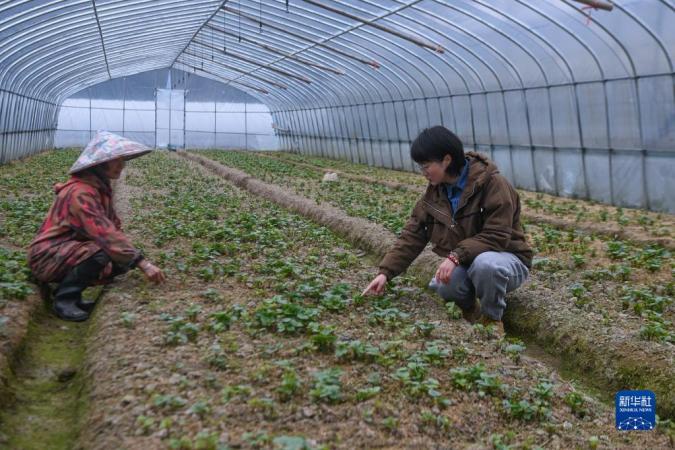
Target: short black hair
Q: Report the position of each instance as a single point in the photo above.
(432, 144)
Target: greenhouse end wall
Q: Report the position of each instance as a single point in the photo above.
(167, 108)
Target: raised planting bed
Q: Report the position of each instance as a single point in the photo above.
(260, 339)
(604, 306)
(645, 227)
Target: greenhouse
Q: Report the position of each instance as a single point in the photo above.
(337, 224)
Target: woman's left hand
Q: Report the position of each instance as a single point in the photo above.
(445, 271)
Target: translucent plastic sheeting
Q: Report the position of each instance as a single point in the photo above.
(537, 84)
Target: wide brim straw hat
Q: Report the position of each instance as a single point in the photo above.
(105, 147)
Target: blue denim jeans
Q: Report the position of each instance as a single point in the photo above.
(490, 277)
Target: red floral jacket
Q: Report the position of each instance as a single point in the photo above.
(80, 222)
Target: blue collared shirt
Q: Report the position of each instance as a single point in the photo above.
(454, 191)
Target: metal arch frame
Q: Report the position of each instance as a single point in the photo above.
(92, 38)
(576, 98)
(370, 131)
(478, 76)
(327, 18)
(345, 62)
(19, 46)
(497, 79)
(312, 47)
(28, 97)
(649, 32)
(113, 6)
(494, 74)
(100, 34)
(571, 76)
(406, 122)
(606, 103)
(29, 37)
(228, 67)
(314, 70)
(396, 85)
(80, 33)
(353, 72)
(487, 65)
(460, 76)
(138, 66)
(603, 80)
(645, 191)
(352, 49)
(201, 27)
(665, 3)
(522, 85)
(339, 81)
(33, 78)
(271, 49)
(394, 43)
(634, 78)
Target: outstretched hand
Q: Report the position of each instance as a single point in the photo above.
(152, 272)
(376, 287)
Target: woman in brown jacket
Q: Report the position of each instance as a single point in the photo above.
(471, 215)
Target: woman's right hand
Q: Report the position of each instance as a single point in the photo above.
(152, 272)
(376, 286)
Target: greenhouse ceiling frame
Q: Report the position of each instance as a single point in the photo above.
(381, 55)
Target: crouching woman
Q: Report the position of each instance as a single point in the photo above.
(471, 214)
(81, 242)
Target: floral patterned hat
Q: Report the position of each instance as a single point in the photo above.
(105, 147)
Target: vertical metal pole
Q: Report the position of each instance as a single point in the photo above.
(245, 126)
(89, 95)
(215, 123)
(502, 94)
(407, 130)
(342, 149)
(346, 152)
(643, 148)
(155, 117)
(170, 117)
(124, 102)
(530, 138)
(370, 134)
(581, 141)
(554, 145)
(3, 101)
(489, 125)
(319, 127)
(185, 92)
(609, 142)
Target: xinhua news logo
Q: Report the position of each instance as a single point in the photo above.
(635, 410)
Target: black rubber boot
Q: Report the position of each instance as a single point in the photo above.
(66, 309)
(68, 304)
(87, 307)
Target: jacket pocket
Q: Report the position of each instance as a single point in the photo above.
(471, 222)
(438, 231)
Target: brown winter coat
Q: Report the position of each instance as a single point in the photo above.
(487, 219)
